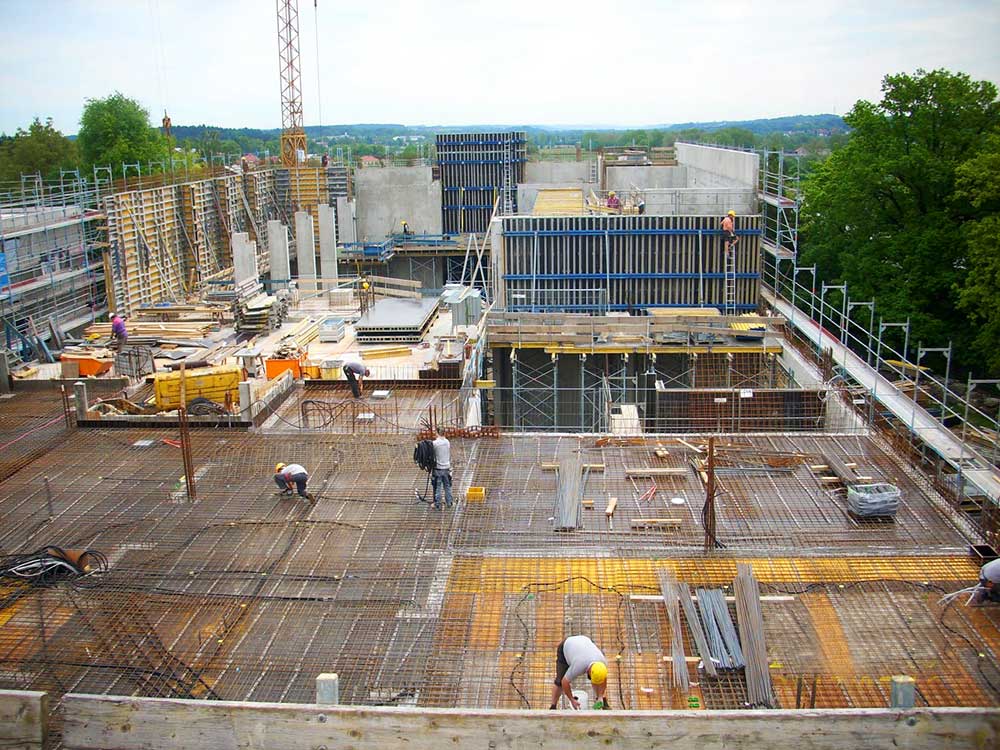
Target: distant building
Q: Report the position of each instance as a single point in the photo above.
(370, 161)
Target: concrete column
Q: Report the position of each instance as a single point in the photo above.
(328, 689)
(245, 402)
(305, 246)
(277, 243)
(80, 399)
(244, 258)
(345, 220)
(903, 691)
(4, 373)
(327, 244)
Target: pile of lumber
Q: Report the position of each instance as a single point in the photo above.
(149, 332)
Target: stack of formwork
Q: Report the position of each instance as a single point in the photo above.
(145, 233)
(738, 410)
(259, 188)
(473, 168)
(302, 189)
(593, 263)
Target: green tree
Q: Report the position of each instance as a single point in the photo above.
(978, 187)
(116, 130)
(41, 149)
(879, 213)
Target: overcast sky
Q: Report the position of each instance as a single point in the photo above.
(462, 62)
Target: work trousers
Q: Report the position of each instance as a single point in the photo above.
(441, 478)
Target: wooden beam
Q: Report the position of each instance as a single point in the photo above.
(610, 509)
(24, 717)
(555, 467)
(116, 723)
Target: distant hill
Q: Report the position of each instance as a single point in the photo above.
(378, 132)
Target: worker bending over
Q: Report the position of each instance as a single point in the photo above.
(989, 583)
(441, 476)
(355, 372)
(119, 332)
(729, 230)
(575, 656)
(286, 475)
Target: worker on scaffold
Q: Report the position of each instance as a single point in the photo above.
(729, 231)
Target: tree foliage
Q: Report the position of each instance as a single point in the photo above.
(978, 188)
(881, 212)
(41, 149)
(116, 130)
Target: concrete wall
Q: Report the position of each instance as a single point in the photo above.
(115, 723)
(708, 166)
(385, 197)
(622, 179)
(555, 173)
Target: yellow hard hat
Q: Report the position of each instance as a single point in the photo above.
(612, 192)
(598, 673)
(278, 468)
(732, 213)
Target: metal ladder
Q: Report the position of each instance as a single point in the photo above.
(508, 177)
(730, 280)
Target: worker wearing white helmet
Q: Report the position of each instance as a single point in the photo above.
(575, 656)
(729, 230)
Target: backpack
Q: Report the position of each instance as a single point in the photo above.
(423, 455)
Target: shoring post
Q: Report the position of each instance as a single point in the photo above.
(185, 435)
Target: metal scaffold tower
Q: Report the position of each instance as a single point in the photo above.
(293, 134)
(781, 197)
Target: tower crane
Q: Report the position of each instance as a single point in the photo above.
(293, 134)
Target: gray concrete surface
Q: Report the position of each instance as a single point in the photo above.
(327, 243)
(387, 196)
(305, 245)
(345, 221)
(622, 179)
(557, 172)
(277, 243)
(708, 166)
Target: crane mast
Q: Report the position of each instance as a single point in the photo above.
(293, 134)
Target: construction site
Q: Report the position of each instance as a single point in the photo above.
(767, 513)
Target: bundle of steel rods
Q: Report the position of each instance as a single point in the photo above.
(697, 633)
(751, 624)
(722, 640)
(670, 589)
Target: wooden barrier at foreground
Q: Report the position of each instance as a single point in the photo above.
(114, 723)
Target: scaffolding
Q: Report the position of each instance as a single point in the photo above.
(52, 236)
(780, 196)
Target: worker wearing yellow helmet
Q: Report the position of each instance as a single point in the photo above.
(613, 201)
(729, 231)
(576, 656)
(288, 475)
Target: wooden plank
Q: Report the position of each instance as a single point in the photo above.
(116, 723)
(24, 717)
(586, 467)
(656, 472)
(610, 509)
